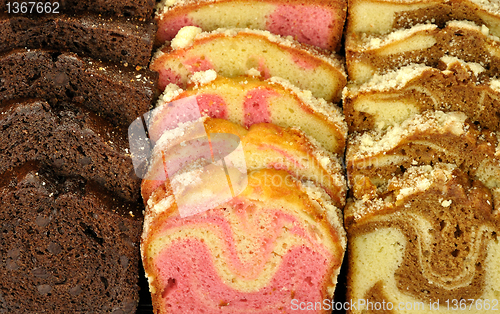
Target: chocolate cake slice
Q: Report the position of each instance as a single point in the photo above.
(66, 246)
(142, 9)
(118, 92)
(105, 38)
(72, 139)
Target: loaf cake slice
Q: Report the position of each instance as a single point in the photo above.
(71, 139)
(367, 55)
(318, 23)
(373, 157)
(233, 52)
(248, 100)
(115, 91)
(384, 16)
(272, 244)
(425, 242)
(139, 9)
(264, 145)
(386, 100)
(66, 245)
(92, 35)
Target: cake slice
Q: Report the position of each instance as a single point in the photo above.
(248, 100)
(374, 157)
(118, 92)
(233, 52)
(426, 240)
(92, 35)
(384, 16)
(70, 139)
(367, 55)
(66, 245)
(387, 100)
(264, 145)
(317, 23)
(138, 9)
(272, 244)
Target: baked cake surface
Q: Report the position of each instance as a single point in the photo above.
(233, 52)
(384, 16)
(92, 35)
(389, 99)
(70, 139)
(367, 55)
(318, 23)
(248, 100)
(428, 238)
(118, 92)
(66, 246)
(264, 145)
(255, 253)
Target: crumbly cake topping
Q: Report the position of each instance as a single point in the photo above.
(495, 85)
(377, 41)
(203, 77)
(326, 56)
(415, 180)
(419, 179)
(399, 78)
(492, 6)
(375, 142)
(330, 111)
(185, 37)
(394, 79)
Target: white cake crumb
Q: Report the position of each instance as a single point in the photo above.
(446, 203)
(185, 37)
(203, 77)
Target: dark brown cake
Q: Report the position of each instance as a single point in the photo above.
(118, 92)
(66, 246)
(133, 8)
(106, 38)
(71, 139)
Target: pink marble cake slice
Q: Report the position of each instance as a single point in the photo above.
(276, 242)
(315, 22)
(264, 145)
(248, 100)
(234, 52)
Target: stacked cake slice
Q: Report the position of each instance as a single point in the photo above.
(422, 108)
(244, 188)
(70, 83)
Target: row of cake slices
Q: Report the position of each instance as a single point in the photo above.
(243, 204)
(423, 157)
(72, 218)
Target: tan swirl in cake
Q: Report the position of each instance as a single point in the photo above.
(386, 100)
(383, 16)
(429, 235)
(374, 157)
(425, 43)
